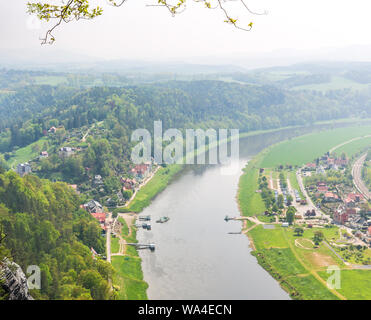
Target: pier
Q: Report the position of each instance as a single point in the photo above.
(235, 218)
(141, 246)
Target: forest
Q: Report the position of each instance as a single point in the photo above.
(45, 226)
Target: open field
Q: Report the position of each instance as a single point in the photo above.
(354, 146)
(305, 148)
(276, 252)
(249, 200)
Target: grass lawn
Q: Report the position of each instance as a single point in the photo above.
(268, 238)
(311, 289)
(129, 278)
(129, 266)
(125, 228)
(249, 200)
(115, 245)
(355, 284)
(276, 256)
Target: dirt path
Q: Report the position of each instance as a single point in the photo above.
(129, 220)
(83, 139)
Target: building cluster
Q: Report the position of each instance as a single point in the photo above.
(96, 210)
(326, 162)
(141, 171)
(66, 152)
(346, 207)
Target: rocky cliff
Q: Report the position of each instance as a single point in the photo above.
(13, 281)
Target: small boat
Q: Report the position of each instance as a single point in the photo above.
(163, 220)
(144, 218)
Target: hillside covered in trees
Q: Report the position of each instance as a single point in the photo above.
(42, 225)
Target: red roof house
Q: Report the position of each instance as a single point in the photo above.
(101, 217)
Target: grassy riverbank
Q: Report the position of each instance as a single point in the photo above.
(298, 265)
(147, 193)
(128, 278)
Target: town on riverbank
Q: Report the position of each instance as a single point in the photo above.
(308, 211)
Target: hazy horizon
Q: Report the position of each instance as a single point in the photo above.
(290, 33)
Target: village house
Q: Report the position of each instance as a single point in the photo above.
(331, 197)
(93, 207)
(101, 218)
(356, 197)
(310, 167)
(128, 184)
(322, 188)
(341, 162)
(66, 152)
(43, 154)
(141, 171)
(351, 211)
(74, 187)
(23, 169)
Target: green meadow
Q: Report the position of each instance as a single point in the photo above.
(26, 154)
(298, 151)
(354, 284)
(354, 147)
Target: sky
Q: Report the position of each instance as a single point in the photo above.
(140, 32)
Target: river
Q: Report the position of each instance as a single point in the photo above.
(196, 257)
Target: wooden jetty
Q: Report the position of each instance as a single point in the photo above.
(141, 246)
(235, 218)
